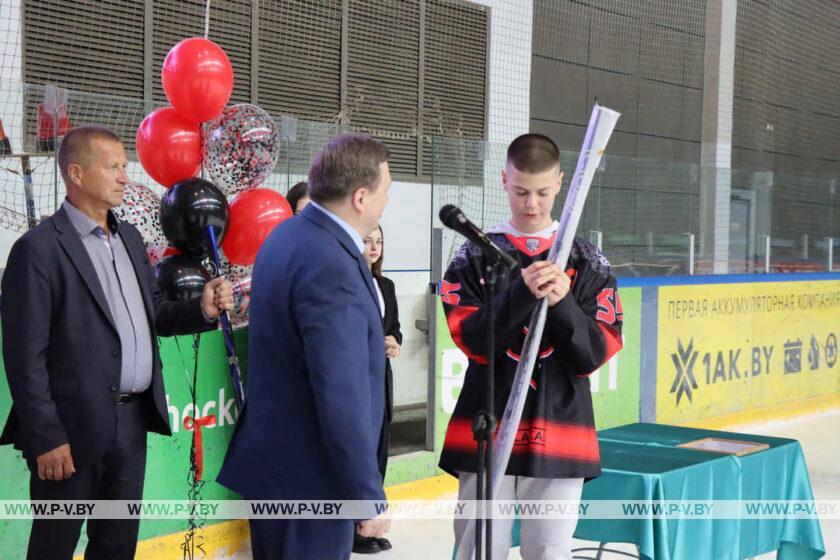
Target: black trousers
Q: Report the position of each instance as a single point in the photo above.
(382, 448)
(117, 476)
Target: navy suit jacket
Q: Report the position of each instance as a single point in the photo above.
(61, 349)
(315, 404)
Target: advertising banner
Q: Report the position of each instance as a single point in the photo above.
(729, 347)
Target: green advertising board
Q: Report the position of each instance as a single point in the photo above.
(168, 460)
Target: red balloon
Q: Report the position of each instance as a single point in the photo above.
(197, 78)
(169, 146)
(253, 215)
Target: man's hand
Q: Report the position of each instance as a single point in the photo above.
(392, 347)
(56, 464)
(217, 295)
(375, 527)
(546, 279)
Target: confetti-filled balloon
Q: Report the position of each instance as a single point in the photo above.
(240, 148)
(240, 278)
(141, 208)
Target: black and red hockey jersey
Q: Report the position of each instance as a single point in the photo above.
(556, 437)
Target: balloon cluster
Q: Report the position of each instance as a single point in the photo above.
(237, 145)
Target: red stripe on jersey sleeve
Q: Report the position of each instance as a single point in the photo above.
(455, 319)
(612, 342)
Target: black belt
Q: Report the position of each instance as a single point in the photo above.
(128, 397)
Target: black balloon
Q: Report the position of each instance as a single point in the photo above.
(187, 208)
(181, 277)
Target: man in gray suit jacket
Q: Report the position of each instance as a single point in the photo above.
(81, 311)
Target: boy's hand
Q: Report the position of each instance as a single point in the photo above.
(546, 279)
(559, 290)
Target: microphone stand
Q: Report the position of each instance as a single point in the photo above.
(484, 421)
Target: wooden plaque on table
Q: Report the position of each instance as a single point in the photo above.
(725, 446)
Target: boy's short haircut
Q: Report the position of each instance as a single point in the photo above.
(533, 153)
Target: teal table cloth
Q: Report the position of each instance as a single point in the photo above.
(642, 462)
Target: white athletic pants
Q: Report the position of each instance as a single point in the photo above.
(541, 539)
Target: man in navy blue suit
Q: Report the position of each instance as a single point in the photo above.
(313, 418)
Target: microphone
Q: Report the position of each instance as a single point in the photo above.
(454, 219)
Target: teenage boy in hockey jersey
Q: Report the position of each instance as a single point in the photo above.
(556, 447)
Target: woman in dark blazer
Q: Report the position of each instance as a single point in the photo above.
(374, 245)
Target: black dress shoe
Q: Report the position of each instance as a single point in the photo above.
(366, 545)
(384, 544)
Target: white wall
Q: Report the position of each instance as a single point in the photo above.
(510, 68)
